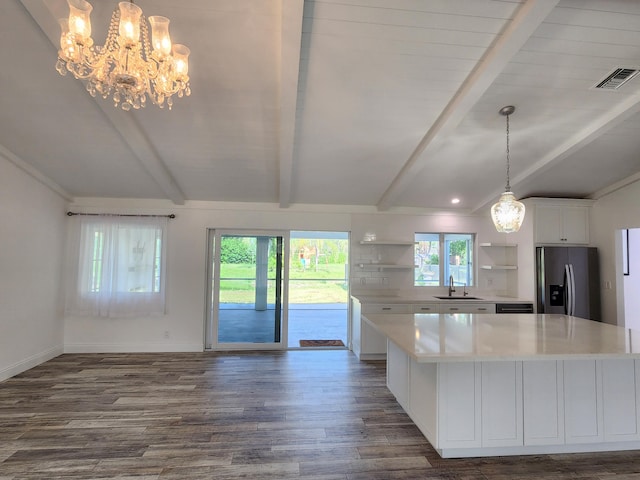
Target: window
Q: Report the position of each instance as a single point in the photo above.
(120, 267)
(442, 255)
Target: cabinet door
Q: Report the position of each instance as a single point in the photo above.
(386, 308)
(620, 400)
(576, 225)
(398, 374)
(426, 308)
(459, 415)
(548, 224)
(583, 401)
(372, 343)
(356, 327)
(562, 224)
(502, 404)
(468, 308)
(543, 392)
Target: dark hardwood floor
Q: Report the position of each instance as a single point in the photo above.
(316, 415)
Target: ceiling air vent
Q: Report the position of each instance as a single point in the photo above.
(617, 78)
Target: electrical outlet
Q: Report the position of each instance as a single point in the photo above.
(166, 334)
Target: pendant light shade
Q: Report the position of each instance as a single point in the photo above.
(508, 213)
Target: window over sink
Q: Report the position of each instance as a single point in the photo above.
(439, 256)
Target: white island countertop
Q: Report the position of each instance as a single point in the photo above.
(419, 299)
(485, 337)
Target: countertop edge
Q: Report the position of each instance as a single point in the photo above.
(429, 299)
(503, 356)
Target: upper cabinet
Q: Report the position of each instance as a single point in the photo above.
(560, 221)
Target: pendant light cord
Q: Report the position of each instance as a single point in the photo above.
(508, 163)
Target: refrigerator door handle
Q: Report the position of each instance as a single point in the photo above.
(567, 290)
(572, 279)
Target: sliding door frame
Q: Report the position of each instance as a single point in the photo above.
(212, 300)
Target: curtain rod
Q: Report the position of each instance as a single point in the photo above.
(71, 214)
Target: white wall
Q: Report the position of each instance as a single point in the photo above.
(186, 261)
(632, 282)
(186, 271)
(611, 213)
(402, 227)
(32, 234)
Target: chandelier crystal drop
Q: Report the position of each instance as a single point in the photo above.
(508, 213)
(126, 68)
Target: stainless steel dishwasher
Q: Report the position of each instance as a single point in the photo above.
(514, 307)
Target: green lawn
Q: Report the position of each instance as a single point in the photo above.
(326, 285)
(247, 270)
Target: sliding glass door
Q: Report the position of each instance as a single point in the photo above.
(245, 290)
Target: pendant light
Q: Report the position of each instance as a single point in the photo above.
(508, 213)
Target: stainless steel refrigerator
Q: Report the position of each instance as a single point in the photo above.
(568, 281)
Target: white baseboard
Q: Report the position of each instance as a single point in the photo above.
(132, 348)
(30, 362)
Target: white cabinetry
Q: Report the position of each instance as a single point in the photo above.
(426, 308)
(565, 223)
(398, 374)
(459, 390)
(583, 401)
(543, 402)
(515, 407)
(468, 308)
(621, 400)
(502, 404)
(366, 342)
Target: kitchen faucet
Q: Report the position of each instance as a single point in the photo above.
(452, 288)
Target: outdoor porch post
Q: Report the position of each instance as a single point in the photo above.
(262, 272)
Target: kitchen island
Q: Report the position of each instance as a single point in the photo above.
(487, 385)
(368, 344)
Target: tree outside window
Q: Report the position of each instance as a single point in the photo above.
(434, 268)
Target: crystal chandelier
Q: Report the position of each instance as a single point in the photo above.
(125, 68)
(508, 213)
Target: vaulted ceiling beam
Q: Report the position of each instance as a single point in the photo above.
(289, 65)
(526, 20)
(599, 126)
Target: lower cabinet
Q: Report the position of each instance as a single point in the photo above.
(543, 402)
(366, 342)
(502, 404)
(621, 400)
(583, 401)
(502, 407)
(468, 308)
(459, 415)
(398, 374)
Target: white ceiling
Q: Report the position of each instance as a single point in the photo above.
(386, 103)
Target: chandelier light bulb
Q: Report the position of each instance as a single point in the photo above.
(126, 68)
(160, 36)
(129, 27)
(79, 22)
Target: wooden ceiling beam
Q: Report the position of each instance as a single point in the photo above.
(517, 31)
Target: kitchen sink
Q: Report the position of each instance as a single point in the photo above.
(446, 297)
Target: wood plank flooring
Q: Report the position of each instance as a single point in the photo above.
(315, 415)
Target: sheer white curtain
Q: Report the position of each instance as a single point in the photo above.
(118, 266)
